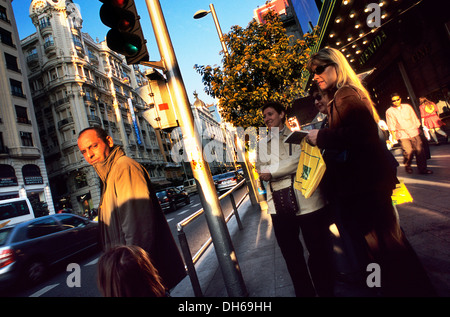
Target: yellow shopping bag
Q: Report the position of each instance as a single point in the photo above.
(310, 170)
(401, 195)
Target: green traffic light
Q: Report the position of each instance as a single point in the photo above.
(131, 49)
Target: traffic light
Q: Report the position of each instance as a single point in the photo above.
(125, 36)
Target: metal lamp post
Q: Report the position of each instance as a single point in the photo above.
(241, 154)
(226, 255)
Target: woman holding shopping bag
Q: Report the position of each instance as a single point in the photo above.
(361, 178)
(277, 163)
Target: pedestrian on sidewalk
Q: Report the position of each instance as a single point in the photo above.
(431, 120)
(276, 167)
(404, 126)
(127, 271)
(361, 176)
(129, 212)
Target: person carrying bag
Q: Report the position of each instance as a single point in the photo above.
(291, 212)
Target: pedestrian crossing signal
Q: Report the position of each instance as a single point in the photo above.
(125, 36)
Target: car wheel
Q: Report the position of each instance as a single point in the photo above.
(188, 201)
(173, 206)
(36, 271)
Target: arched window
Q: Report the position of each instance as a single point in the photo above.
(32, 174)
(7, 176)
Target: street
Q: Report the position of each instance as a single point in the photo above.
(58, 284)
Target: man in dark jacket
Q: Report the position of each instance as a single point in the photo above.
(129, 212)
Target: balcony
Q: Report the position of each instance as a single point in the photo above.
(50, 48)
(94, 119)
(33, 60)
(45, 28)
(24, 152)
(64, 122)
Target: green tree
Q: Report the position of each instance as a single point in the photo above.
(262, 64)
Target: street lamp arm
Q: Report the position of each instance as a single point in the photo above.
(201, 13)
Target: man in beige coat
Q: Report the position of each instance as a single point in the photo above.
(129, 212)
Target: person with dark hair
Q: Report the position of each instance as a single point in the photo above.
(277, 167)
(127, 271)
(129, 212)
(404, 125)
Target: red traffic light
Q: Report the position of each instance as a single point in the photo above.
(116, 3)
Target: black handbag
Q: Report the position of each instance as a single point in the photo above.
(285, 200)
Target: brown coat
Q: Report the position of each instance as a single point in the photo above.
(357, 163)
(130, 214)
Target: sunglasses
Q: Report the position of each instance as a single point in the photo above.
(394, 100)
(320, 69)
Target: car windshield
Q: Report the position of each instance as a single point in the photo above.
(161, 194)
(4, 235)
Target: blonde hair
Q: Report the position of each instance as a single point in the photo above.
(346, 76)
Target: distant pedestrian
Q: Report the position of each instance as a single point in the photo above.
(431, 120)
(277, 167)
(129, 211)
(127, 271)
(404, 126)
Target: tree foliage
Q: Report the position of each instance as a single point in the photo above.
(262, 64)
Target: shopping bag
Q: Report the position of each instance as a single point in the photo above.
(310, 170)
(400, 194)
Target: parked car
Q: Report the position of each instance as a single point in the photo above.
(227, 181)
(170, 197)
(190, 186)
(29, 248)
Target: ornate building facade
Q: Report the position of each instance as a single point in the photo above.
(77, 82)
(22, 168)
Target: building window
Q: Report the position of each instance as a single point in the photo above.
(6, 37)
(16, 88)
(48, 41)
(27, 139)
(11, 62)
(32, 175)
(44, 22)
(22, 115)
(3, 15)
(77, 40)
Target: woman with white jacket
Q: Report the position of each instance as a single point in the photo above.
(276, 164)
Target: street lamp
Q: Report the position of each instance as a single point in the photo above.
(246, 169)
(202, 13)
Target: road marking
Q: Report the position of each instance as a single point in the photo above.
(183, 212)
(94, 261)
(170, 219)
(44, 290)
(196, 205)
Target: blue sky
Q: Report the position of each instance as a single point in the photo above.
(194, 41)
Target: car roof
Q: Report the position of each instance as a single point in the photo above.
(224, 175)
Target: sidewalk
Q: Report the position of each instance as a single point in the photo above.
(426, 222)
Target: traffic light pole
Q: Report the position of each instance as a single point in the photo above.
(226, 255)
